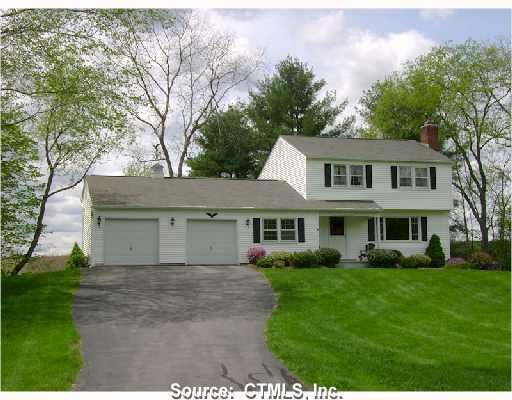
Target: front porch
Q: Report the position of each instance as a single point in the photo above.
(349, 235)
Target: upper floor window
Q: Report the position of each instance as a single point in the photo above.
(348, 175)
(356, 175)
(405, 176)
(421, 177)
(340, 175)
(410, 177)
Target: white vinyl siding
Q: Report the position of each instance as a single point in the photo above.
(288, 164)
(86, 222)
(381, 191)
(172, 238)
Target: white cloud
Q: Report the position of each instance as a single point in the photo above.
(436, 13)
(324, 29)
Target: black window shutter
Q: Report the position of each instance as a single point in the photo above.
(327, 175)
(256, 232)
(424, 233)
(301, 233)
(368, 176)
(433, 178)
(371, 229)
(394, 176)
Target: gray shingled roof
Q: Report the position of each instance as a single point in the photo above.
(365, 149)
(211, 193)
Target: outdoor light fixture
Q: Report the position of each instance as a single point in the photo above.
(247, 222)
(172, 221)
(99, 222)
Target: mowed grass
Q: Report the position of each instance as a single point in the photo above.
(40, 345)
(393, 329)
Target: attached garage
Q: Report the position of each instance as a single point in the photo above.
(131, 241)
(211, 242)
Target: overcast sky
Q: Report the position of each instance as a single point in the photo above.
(350, 49)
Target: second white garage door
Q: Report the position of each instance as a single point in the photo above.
(211, 242)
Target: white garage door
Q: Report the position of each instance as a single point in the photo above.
(211, 242)
(131, 241)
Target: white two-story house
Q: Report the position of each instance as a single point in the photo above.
(312, 192)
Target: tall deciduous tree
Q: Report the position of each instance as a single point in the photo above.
(181, 70)
(61, 88)
(19, 195)
(227, 146)
(466, 89)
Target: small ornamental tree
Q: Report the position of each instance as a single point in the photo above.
(435, 252)
(77, 259)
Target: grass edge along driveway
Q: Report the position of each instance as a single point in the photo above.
(393, 329)
(40, 345)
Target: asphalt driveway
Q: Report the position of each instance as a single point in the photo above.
(143, 328)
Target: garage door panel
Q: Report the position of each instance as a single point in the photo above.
(211, 242)
(131, 242)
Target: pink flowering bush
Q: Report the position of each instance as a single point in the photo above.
(456, 261)
(255, 253)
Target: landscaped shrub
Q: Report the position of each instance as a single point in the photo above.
(482, 260)
(264, 262)
(415, 261)
(255, 253)
(435, 252)
(77, 259)
(500, 250)
(281, 258)
(459, 263)
(384, 258)
(304, 259)
(328, 257)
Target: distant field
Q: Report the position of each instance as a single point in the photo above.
(39, 264)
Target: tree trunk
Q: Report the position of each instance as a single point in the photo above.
(167, 157)
(484, 228)
(465, 218)
(39, 227)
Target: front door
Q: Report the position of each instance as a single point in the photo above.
(332, 234)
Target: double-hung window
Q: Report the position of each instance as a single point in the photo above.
(405, 176)
(270, 229)
(340, 175)
(421, 177)
(287, 229)
(279, 229)
(356, 175)
(415, 229)
(348, 175)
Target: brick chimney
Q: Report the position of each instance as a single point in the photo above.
(157, 171)
(429, 135)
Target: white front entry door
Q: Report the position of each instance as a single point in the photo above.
(131, 241)
(211, 242)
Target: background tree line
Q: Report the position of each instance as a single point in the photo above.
(80, 84)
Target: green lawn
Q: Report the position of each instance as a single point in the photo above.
(393, 329)
(40, 345)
